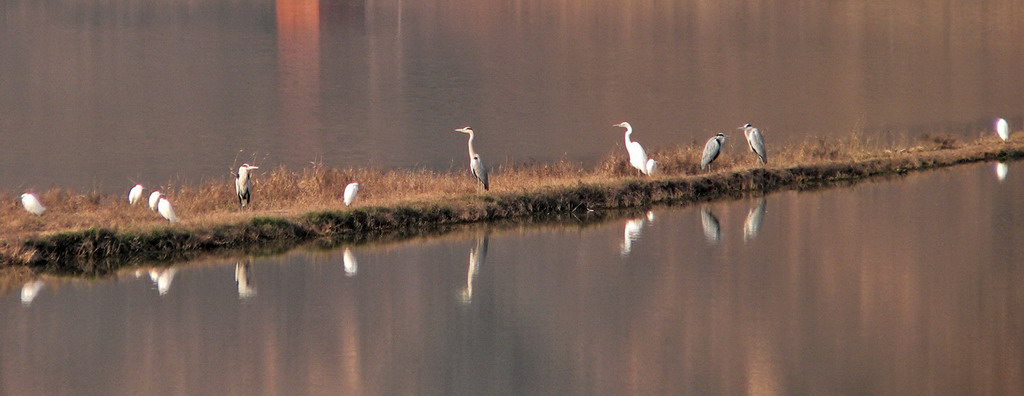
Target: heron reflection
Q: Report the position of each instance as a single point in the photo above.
(631, 232)
(712, 231)
(349, 260)
(243, 278)
(754, 219)
(1001, 170)
(30, 290)
(162, 278)
(477, 255)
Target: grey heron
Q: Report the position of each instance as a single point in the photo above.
(712, 149)
(477, 255)
(135, 194)
(243, 184)
(708, 221)
(32, 204)
(754, 218)
(476, 165)
(637, 156)
(755, 141)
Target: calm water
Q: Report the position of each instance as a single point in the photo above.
(911, 286)
(95, 94)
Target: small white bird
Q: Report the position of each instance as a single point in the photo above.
(154, 198)
(476, 165)
(135, 194)
(32, 204)
(1003, 129)
(350, 193)
(637, 155)
(164, 206)
(243, 184)
(755, 141)
(712, 149)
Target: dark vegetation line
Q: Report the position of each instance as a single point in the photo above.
(98, 251)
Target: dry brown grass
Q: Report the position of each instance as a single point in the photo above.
(286, 193)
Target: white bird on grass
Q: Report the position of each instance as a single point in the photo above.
(32, 204)
(755, 141)
(1003, 129)
(476, 165)
(350, 193)
(637, 155)
(712, 149)
(135, 194)
(154, 199)
(164, 206)
(243, 184)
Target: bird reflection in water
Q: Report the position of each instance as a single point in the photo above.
(631, 232)
(712, 231)
(162, 278)
(754, 219)
(1001, 170)
(30, 290)
(349, 260)
(243, 278)
(477, 255)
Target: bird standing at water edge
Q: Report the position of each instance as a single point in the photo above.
(712, 149)
(243, 184)
(476, 165)
(32, 204)
(135, 194)
(755, 141)
(637, 155)
(1003, 129)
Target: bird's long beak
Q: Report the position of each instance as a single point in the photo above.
(463, 130)
(254, 167)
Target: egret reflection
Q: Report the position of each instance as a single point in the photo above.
(631, 232)
(753, 223)
(349, 260)
(1001, 170)
(243, 278)
(162, 278)
(30, 290)
(477, 255)
(712, 231)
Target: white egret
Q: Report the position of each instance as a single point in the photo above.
(32, 204)
(154, 198)
(30, 290)
(712, 149)
(753, 223)
(637, 155)
(243, 184)
(164, 206)
(476, 165)
(1003, 129)
(350, 193)
(712, 231)
(755, 141)
(246, 287)
(349, 262)
(135, 194)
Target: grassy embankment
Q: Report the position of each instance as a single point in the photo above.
(96, 233)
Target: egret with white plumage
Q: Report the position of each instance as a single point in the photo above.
(135, 194)
(32, 204)
(350, 193)
(637, 156)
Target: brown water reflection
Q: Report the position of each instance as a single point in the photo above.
(912, 286)
(93, 93)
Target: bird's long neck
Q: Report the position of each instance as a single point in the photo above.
(471, 151)
(629, 131)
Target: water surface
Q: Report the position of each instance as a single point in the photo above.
(913, 285)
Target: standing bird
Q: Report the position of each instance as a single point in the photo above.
(243, 184)
(755, 141)
(475, 163)
(166, 210)
(350, 193)
(135, 194)
(637, 155)
(712, 149)
(1003, 129)
(154, 199)
(32, 204)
